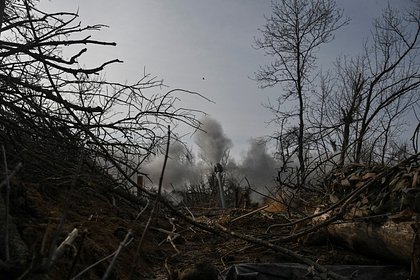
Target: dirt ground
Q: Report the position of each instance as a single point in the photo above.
(199, 246)
(106, 218)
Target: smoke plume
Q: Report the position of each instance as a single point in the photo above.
(179, 168)
(259, 167)
(212, 141)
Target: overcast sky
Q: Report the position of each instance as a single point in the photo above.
(184, 41)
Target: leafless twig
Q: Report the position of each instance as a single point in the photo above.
(79, 249)
(103, 259)
(152, 213)
(249, 213)
(11, 175)
(67, 242)
(6, 234)
(284, 251)
(127, 237)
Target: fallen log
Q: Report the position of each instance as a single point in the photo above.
(380, 209)
(390, 240)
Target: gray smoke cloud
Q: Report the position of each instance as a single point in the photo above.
(212, 141)
(257, 165)
(259, 168)
(179, 169)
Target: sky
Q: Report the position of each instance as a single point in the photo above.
(184, 41)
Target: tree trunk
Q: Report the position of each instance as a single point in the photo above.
(346, 136)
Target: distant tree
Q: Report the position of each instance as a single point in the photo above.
(292, 36)
(336, 107)
(392, 70)
(415, 138)
(371, 94)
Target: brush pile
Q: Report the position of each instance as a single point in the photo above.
(381, 209)
(75, 218)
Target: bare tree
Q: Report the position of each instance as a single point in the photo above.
(415, 139)
(53, 110)
(292, 36)
(373, 92)
(392, 68)
(45, 93)
(336, 108)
